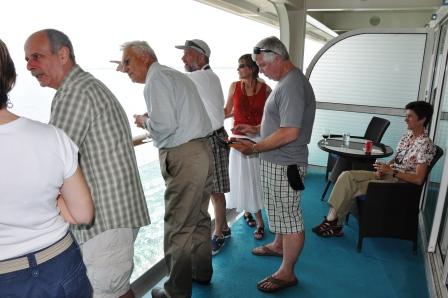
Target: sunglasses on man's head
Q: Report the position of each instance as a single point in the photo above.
(190, 43)
(258, 50)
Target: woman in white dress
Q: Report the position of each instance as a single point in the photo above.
(246, 104)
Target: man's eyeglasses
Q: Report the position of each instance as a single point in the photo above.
(242, 66)
(258, 50)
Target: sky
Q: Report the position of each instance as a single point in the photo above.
(98, 28)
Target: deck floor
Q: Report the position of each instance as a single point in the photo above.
(328, 267)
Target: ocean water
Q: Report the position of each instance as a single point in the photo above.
(149, 243)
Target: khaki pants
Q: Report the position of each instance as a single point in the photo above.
(109, 260)
(187, 170)
(349, 185)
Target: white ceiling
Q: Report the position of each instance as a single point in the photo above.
(340, 15)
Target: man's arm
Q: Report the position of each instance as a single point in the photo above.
(281, 137)
(70, 111)
(162, 121)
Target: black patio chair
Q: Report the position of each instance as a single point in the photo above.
(374, 132)
(391, 209)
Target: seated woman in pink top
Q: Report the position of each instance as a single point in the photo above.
(38, 257)
(246, 104)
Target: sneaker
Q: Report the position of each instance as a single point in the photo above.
(217, 244)
(226, 233)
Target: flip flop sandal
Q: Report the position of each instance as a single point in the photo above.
(265, 251)
(276, 284)
(259, 233)
(250, 220)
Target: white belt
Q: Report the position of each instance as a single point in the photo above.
(41, 256)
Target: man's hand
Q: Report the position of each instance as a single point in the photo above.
(247, 129)
(140, 120)
(243, 146)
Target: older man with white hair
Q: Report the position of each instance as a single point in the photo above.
(179, 125)
(285, 131)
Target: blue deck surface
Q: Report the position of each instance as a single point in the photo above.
(328, 267)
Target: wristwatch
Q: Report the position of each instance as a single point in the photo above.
(254, 150)
(394, 174)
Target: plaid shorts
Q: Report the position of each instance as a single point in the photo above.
(221, 182)
(282, 203)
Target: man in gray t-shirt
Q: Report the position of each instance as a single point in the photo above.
(285, 130)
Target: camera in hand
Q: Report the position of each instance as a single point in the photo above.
(227, 142)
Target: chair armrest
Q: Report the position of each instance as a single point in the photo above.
(391, 189)
(391, 194)
(390, 210)
(382, 146)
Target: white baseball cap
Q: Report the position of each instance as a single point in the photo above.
(198, 45)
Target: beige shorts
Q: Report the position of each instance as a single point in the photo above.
(109, 261)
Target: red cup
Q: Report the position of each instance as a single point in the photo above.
(368, 145)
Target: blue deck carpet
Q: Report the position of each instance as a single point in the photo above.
(329, 267)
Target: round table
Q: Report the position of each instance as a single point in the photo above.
(351, 157)
(355, 149)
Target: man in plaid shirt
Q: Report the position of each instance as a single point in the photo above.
(94, 119)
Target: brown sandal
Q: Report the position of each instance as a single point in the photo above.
(250, 221)
(259, 233)
(325, 225)
(335, 231)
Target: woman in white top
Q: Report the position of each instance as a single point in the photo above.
(38, 257)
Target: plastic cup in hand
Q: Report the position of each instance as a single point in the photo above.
(379, 162)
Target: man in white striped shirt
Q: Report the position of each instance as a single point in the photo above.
(179, 125)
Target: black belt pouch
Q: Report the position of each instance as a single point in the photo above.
(294, 179)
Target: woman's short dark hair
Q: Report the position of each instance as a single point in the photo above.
(422, 109)
(247, 59)
(7, 74)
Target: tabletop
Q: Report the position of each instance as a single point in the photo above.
(355, 149)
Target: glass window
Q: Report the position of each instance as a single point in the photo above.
(371, 69)
(355, 124)
(95, 45)
(435, 177)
